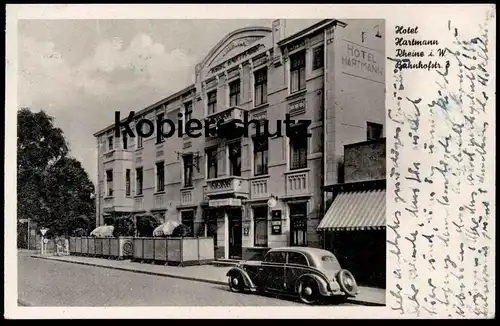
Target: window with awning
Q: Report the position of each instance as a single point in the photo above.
(356, 210)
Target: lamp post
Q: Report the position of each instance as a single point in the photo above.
(43, 231)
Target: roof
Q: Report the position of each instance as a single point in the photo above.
(356, 210)
(306, 250)
(311, 29)
(149, 108)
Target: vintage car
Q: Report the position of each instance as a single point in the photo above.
(309, 273)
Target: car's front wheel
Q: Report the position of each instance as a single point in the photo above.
(236, 283)
(309, 291)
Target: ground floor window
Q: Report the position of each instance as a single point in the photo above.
(211, 220)
(187, 218)
(298, 224)
(260, 226)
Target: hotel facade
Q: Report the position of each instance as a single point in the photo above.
(331, 73)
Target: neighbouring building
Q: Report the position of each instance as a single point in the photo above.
(331, 73)
(354, 226)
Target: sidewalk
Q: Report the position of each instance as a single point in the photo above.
(205, 273)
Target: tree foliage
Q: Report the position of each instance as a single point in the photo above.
(53, 188)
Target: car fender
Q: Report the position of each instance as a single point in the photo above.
(322, 284)
(246, 278)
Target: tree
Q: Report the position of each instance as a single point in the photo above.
(53, 189)
(39, 144)
(69, 197)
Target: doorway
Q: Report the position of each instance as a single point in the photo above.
(235, 234)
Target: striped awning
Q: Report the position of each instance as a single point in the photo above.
(356, 210)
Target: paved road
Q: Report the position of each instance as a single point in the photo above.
(51, 283)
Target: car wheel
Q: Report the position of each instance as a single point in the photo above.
(347, 282)
(236, 283)
(309, 291)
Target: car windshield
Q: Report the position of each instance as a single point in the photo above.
(330, 262)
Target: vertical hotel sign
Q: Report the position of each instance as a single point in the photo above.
(362, 61)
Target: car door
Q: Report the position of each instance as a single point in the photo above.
(297, 265)
(272, 271)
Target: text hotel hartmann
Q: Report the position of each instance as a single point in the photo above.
(331, 74)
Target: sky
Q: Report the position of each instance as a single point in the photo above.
(82, 71)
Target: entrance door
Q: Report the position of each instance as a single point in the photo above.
(235, 234)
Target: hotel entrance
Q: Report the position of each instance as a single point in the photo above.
(235, 233)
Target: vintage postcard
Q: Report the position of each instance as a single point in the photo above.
(258, 161)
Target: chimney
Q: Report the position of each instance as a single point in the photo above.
(279, 27)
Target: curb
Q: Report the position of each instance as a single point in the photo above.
(188, 278)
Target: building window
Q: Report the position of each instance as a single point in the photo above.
(188, 170)
(373, 131)
(138, 177)
(298, 151)
(212, 163)
(212, 102)
(260, 226)
(160, 176)
(235, 159)
(187, 218)
(318, 57)
(260, 87)
(188, 111)
(297, 72)
(111, 143)
(127, 182)
(159, 130)
(260, 155)
(125, 140)
(234, 93)
(298, 224)
(211, 220)
(109, 182)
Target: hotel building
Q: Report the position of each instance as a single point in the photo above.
(331, 73)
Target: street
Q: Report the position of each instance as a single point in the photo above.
(51, 283)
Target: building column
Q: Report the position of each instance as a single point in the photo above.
(226, 235)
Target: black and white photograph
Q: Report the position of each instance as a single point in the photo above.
(261, 161)
(201, 162)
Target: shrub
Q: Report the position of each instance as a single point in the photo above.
(146, 225)
(124, 227)
(181, 230)
(80, 232)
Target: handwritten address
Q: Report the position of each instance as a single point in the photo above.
(440, 149)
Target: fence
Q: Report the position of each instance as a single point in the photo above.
(176, 251)
(53, 247)
(119, 248)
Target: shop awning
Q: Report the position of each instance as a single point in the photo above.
(355, 210)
